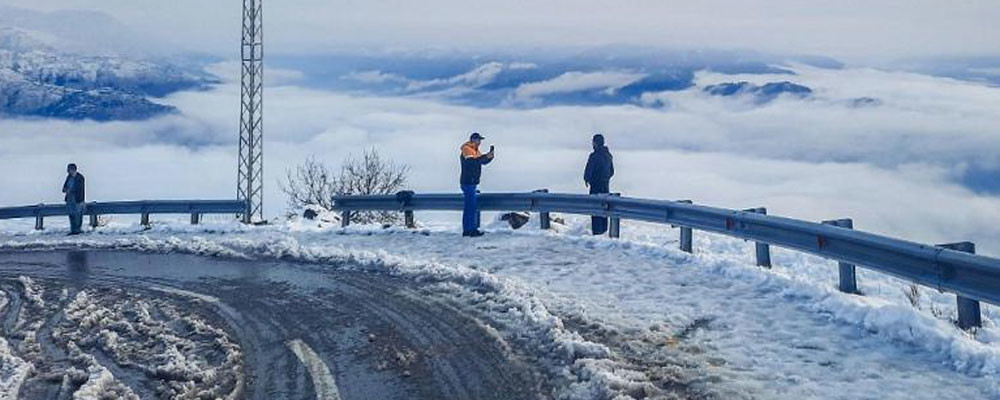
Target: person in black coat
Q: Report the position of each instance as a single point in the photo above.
(75, 189)
(597, 176)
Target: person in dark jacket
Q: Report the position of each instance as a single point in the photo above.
(472, 167)
(597, 176)
(75, 189)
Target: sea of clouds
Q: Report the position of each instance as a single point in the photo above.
(897, 166)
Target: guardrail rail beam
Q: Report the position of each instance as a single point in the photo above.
(144, 207)
(973, 278)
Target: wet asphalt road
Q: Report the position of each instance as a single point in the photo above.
(300, 331)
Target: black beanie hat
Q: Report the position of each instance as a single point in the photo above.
(599, 139)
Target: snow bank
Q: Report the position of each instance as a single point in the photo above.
(13, 372)
(100, 384)
(893, 320)
(31, 291)
(521, 310)
(191, 357)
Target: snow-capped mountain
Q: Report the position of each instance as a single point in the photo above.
(41, 77)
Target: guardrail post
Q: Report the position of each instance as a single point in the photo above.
(969, 314)
(614, 223)
(93, 220)
(195, 218)
(408, 219)
(39, 222)
(687, 234)
(345, 218)
(145, 219)
(763, 249)
(544, 219)
(848, 275)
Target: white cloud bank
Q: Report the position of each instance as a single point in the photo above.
(890, 167)
(574, 81)
(479, 76)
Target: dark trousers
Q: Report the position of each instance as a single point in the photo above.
(75, 211)
(470, 209)
(599, 225)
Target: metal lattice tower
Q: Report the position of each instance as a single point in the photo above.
(250, 185)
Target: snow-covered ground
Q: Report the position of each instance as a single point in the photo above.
(712, 322)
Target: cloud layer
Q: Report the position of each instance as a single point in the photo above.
(894, 167)
(575, 81)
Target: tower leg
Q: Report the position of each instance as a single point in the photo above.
(249, 184)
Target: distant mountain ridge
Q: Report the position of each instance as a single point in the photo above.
(589, 77)
(41, 77)
(760, 93)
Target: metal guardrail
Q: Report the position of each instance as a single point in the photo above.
(142, 207)
(951, 267)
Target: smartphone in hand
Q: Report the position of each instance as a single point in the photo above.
(491, 149)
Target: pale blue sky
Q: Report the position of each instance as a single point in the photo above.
(852, 30)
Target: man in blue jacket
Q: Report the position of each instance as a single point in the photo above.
(597, 176)
(472, 167)
(75, 189)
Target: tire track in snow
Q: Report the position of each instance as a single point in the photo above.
(323, 381)
(181, 292)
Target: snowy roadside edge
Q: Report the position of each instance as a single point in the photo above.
(894, 322)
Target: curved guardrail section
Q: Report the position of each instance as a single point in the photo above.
(951, 267)
(142, 207)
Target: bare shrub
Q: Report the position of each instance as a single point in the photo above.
(939, 313)
(912, 293)
(915, 297)
(309, 184)
(312, 184)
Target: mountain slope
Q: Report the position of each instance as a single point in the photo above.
(43, 74)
